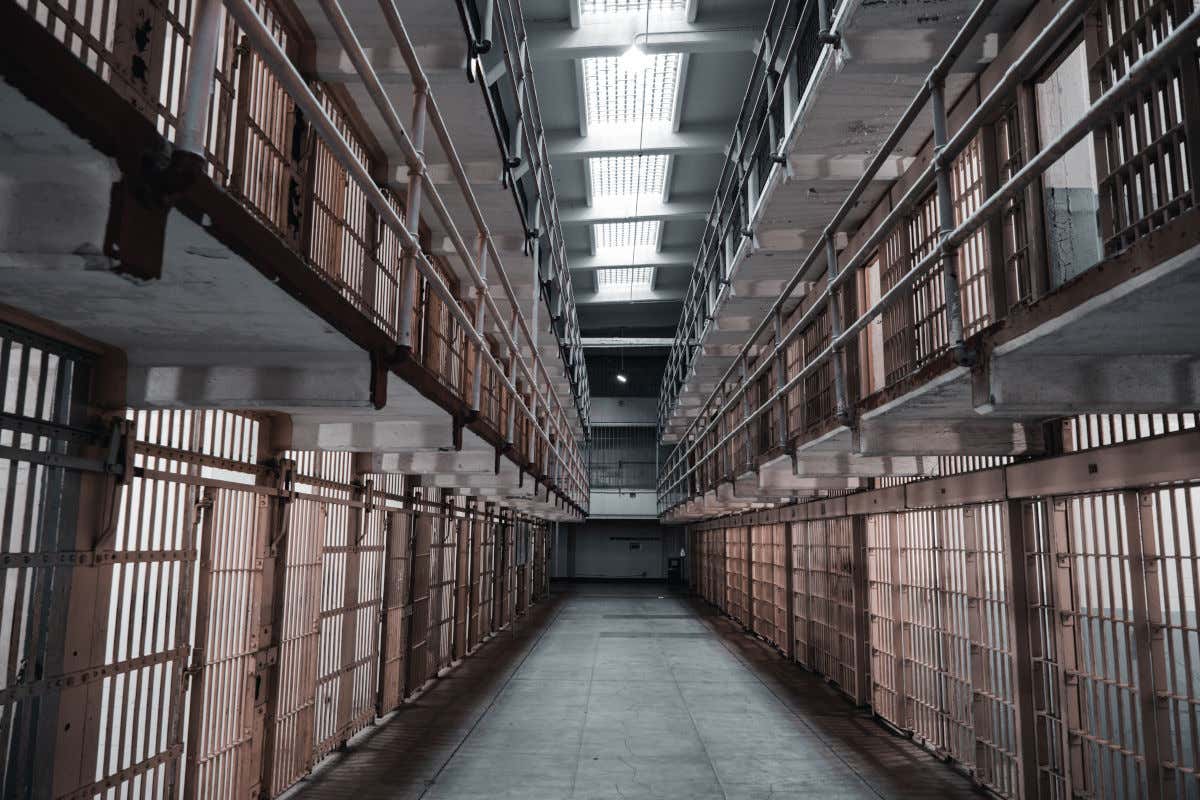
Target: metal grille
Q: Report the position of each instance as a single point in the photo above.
(830, 589)
(628, 176)
(884, 600)
(617, 96)
(622, 457)
(39, 383)
(737, 575)
(1089, 431)
(1146, 176)
(769, 596)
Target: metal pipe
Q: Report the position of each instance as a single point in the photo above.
(201, 76)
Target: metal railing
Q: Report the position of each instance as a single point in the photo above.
(788, 55)
(525, 152)
(728, 413)
(543, 411)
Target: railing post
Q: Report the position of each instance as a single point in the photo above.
(749, 458)
(841, 402)
(412, 219)
(781, 435)
(480, 291)
(946, 225)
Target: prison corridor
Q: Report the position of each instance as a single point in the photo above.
(630, 691)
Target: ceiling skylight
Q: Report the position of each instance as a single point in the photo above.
(613, 235)
(608, 8)
(618, 96)
(627, 176)
(632, 280)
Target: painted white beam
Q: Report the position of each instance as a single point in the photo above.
(567, 144)
(815, 167)
(626, 298)
(664, 259)
(617, 209)
(628, 342)
(557, 41)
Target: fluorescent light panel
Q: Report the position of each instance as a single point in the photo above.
(612, 235)
(627, 176)
(627, 279)
(620, 97)
(607, 8)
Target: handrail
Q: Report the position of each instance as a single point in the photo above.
(512, 29)
(1142, 71)
(277, 61)
(968, 31)
(732, 183)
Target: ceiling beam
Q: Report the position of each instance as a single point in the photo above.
(674, 258)
(648, 208)
(567, 144)
(812, 167)
(627, 342)
(637, 297)
(558, 41)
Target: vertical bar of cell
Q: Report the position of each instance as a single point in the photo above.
(976, 632)
(1034, 216)
(1016, 517)
(420, 564)
(391, 617)
(744, 388)
(462, 587)
(481, 258)
(356, 527)
(409, 276)
(781, 433)
(841, 400)
(945, 207)
(271, 547)
(1068, 647)
(204, 512)
(88, 595)
(897, 523)
(862, 643)
(1149, 646)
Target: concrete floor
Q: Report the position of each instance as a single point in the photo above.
(629, 691)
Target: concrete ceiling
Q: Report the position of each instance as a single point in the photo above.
(715, 41)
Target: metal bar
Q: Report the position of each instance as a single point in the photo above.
(279, 64)
(1113, 98)
(942, 166)
(198, 86)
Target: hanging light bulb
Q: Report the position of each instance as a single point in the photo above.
(635, 59)
(621, 378)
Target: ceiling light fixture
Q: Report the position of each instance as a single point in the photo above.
(621, 378)
(635, 59)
